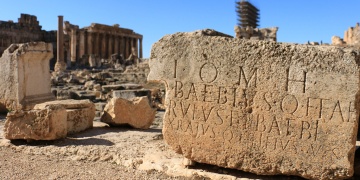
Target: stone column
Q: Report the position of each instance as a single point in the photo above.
(82, 44)
(136, 47)
(90, 43)
(73, 44)
(97, 44)
(116, 44)
(140, 49)
(110, 46)
(60, 64)
(131, 45)
(127, 49)
(103, 46)
(121, 46)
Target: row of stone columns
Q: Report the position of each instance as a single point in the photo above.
(101, 44)
(105, 45)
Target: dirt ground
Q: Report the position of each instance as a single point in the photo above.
(107, 153)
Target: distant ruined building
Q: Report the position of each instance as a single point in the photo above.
(101, 41)
(79, 45)
(248, 21)
(27, 29)
(351, 37)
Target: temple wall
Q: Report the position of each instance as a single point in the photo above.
(27, 29)
(102, 41)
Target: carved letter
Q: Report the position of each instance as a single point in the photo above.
(289, 104)
(206, 117)
(275, 125)
(208, 72)
(315, 107)
(178, 92)
(337, 106)
(192, 91)
(294, 80)
(247, 81)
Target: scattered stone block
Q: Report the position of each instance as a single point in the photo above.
(108, 88)
(47, 123)
(80, 113)
(25, 75)
(130, 94)
(97, 87)
(136, 112)
(260, 106)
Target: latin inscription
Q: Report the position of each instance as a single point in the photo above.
(279, 119)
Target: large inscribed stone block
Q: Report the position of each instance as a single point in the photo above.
(259, 106)
(25, 75)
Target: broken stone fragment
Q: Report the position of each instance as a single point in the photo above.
(47, 123)
(80, 113)
(136, 112)
(260, 106)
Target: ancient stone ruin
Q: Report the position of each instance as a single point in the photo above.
(27, 29)
(268, 34)
(259, 106)
(103, 41)
(25, 76)
(351, 37)
(73, 46)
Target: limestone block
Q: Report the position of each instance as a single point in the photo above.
(97, 87)
(25, 75)
(336, 40)
(80, 113)
(260, 106)
(89, 84)
(47, 123)
(136, 112)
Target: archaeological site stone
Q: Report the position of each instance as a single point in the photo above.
(25, 75)
(136, 112)
(80, 113)
(48, 123)
(259, 106)
(130, 94)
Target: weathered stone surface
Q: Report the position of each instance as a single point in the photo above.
(80, 113)
(25, 75)
(259, 106)
(48, 123)
(336, 40)
(136, 112)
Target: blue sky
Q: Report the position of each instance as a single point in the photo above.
(299, 21)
